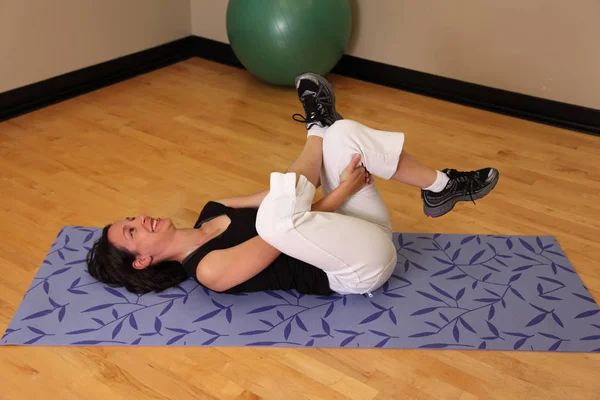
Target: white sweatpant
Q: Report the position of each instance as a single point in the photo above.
(353, 245)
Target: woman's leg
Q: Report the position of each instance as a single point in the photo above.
(383, 156)
(357, 256)
(352, 246)
(310, 160)
(380, 154)
(412, 172)
(355, 250)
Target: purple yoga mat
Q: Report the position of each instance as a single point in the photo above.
(448, 292)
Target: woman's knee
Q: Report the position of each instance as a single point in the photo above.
(386, 250)
(386, 264)
(340, 134)
(269, 219)
(284, 203)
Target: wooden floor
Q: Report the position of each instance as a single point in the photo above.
(167, 142)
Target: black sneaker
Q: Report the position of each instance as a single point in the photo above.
(318, 99)
(463, 186)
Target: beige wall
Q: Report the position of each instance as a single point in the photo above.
(40, 39)
(208, 19)
(544, 48)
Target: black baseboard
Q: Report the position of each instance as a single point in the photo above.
(41, 94)
(518, 105)
(215, 51)
(37, 95)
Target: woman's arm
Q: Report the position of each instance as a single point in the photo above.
(329, 203)
(334, 200)
(248, 201)
(223, 269)
(352, 179)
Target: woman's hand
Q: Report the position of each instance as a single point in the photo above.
(355, 177)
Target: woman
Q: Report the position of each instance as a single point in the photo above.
(280, 239)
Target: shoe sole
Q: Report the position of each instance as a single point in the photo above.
(446, 208)
(323, 82)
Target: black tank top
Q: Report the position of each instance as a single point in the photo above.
(284, 273)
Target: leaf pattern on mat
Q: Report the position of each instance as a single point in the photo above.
(447, 292)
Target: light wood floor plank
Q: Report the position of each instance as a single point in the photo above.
(168, 141)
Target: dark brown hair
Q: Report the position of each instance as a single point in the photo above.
(113, 266)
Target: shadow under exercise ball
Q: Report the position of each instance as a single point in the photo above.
(275, 40)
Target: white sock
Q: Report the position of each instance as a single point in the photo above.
(440, 183)
(317, 130)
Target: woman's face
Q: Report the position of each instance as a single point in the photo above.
(143, 236)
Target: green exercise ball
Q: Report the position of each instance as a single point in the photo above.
(275, 40)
